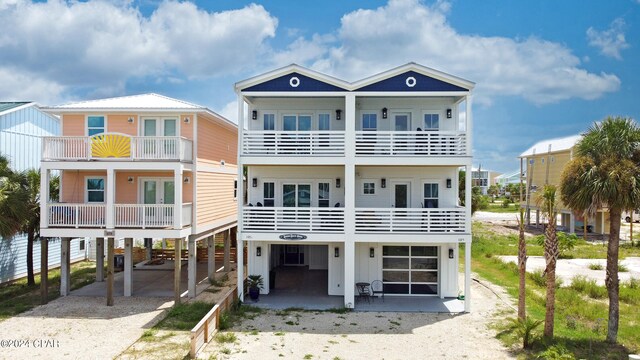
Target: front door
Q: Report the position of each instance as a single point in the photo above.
(401, 195)
(296, 195)
(160, 127)
(154, 192)
(293, 255)
(401, 124)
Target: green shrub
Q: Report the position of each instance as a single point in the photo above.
(589, 287)
(566, 242)
(539, 278)
(226, 337)
(596, 266)
(525, 329)
(622, 268)
(556, 352)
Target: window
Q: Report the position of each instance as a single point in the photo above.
(268, 193)
(269, 122)
(95, 189)
(369, 188)
(430, 195)
(324, 122)
(81, 245)
(542, 160)
(431, 121)
(235, 189)
(296, 123)
(95, 125)
(323, 194)
(369, 122)
(296, 195)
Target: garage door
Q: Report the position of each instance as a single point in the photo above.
(410, 270)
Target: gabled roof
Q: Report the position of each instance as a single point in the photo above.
(137, 102)
(410, 77)
(552, 145)
(150, 102)
(10, 106)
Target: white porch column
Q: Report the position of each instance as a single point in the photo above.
(128, 266)
(191, 279)
(44, 195)
(469, 122)
(211, 257)
(240, 197)
(467, 276)
(110, 198)
(467, 197)
(177, 207)
(65, 266)
(177, 269)
(349, 201)
(572, 223)
(227, 250)
(99, 259)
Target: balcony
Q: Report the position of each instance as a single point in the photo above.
(298, 219)
(293, 143)
(132, 216)
(391, 220)
(117, 147)
(411, 143)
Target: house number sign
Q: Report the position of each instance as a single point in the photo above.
(293, 237)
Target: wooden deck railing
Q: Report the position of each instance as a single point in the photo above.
(206, 329)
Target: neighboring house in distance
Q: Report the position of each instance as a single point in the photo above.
(144, 166)
(22, 126)
(508, 178)
(356, 182)
(483, 179)
(543, 164)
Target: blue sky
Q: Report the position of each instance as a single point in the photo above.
(543, 68)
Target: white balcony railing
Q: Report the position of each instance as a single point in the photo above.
(387, 220)
(76, 215)
(411, 143)
(113, 146)
(125, 215)
(293, 143)
(298, 219)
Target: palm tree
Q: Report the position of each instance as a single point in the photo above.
(12, 201)
(605, 174)
(547, 203)
(522, 267)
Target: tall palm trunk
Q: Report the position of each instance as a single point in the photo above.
(551, 253)
(522, 268)
(612, 281)
(30, 277)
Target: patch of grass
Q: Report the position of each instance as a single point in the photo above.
(238, 313)
(226, 337)
(588, 287)
(540, 279)
(220, 282)
(622, 268)
(254, 333)
(148, 335)
(596, 266)
(184, 316)
(278, 333)
(339, 310)
(17, 297)
(225, 351)
(308, 356)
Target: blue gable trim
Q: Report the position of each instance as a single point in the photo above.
(422, 83)
(283, 83)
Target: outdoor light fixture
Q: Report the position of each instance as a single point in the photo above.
(130, 179)
(338, 114)
(372, 252)
(130, 120)
(259, 251)
(254, 182)
(338, 183)
(384, 113)
(336, 252)
(450, 253)
(187, 120)
(449, 183)
(187, 180)
(383, 183)
(449, 114)
(254, 115)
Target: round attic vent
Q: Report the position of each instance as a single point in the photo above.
(411, 81)
(294, 82)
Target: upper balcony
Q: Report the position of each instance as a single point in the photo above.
(411, 143)
(293, 143)
(117, 147)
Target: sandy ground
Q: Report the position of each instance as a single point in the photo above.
(567, 269)
(79, 327)
(371, 335)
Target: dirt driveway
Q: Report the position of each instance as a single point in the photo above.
(79, 327)
(369, 335)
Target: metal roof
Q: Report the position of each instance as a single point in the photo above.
(8, 105)
(552, 145)
(142, 101)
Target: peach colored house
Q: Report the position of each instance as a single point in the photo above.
(140, 167)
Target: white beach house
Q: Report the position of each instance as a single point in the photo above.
(353, 182)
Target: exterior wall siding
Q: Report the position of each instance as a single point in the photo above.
(537, 174)
(216, 143)
(215, 197)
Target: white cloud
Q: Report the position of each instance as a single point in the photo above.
(611, 41)
(230, 111)
(541, 71)
(98, 44)
(20, 86)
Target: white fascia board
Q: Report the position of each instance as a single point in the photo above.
(216, 226)
(454, 161)
(292, 160)
(118, 233)
(288, 70)
(17, 108)
(275, 237)
(427, 71)
(411, 93)
(116, 165)
(426, 238)
(289, 94)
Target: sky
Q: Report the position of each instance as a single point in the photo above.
(542, 68)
